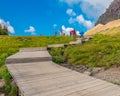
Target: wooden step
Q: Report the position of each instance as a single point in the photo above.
(33, 49)
(26, 57)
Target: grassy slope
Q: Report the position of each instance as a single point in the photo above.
(94, 30)
(110, 28)
(10, 45)
(103, 50)
(112, 31)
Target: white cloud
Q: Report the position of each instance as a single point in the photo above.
(2, 22)
(31, 30)
(81, 20)
(93, 9)
(10, 28)
(68, 30)
(70, 2)
(103, 3)
(70, 12)
(71, 20)
(54, 25)
(78, 33)
(87, 23)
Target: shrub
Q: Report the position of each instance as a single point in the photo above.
(14, 91)
(58, 59)
(57, 51)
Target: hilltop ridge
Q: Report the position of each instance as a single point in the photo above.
(105, 29)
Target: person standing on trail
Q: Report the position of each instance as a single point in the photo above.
(55, 33)
(61, 33)
(74, 34)
(71, 33)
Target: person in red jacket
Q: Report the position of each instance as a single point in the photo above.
(74, 34)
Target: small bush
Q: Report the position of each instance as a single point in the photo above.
(14, 91)
(58, 59)
(57, 51)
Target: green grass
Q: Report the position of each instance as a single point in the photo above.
(10, 45)
(103, 50)
(58, 55)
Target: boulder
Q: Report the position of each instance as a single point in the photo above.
(2, 83)
(87, 73)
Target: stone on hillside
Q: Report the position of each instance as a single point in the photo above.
(1, 94)
(2, 83)
(13, 83)
(87, 73)
(80, 68)
(97, 69)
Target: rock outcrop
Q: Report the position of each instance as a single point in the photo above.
(112, 13)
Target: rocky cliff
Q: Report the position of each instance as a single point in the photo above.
(112, 13)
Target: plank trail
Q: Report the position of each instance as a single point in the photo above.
(36, 75)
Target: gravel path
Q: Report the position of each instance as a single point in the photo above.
(111, 75)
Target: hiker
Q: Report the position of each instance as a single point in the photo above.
(61, 33)
(70, 33)
(55, 33)
(74, 34)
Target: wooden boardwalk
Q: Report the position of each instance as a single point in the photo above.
(36, 75)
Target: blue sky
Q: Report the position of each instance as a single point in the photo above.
(42, 17)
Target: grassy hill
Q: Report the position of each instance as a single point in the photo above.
(110, 28)
(103, 50)
(10, 45)
(94, 31)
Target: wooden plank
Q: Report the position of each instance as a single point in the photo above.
(70, 89)
(49, 79)
(33, 49)
(56, 45)
(27, 57)
(75, 42)
(110, 91)
(88, 91)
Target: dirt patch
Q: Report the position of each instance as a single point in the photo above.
(111, 75)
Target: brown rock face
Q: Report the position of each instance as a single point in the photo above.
(112, 13)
